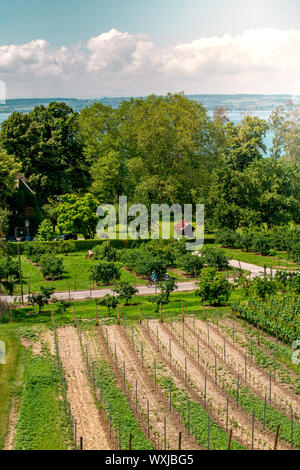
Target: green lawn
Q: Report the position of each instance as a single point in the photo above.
(259, 260)
(76, 275)
(86, 309)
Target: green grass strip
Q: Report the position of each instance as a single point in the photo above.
(42, 422)
(198, 419)
(250, 402)
(120, 409)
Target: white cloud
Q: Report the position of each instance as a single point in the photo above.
(119, 63)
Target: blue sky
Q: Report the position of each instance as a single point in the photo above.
(120, 47)
(166, 21)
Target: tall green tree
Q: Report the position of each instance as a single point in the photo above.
(77, 214)
(47, 144)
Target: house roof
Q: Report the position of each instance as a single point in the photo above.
(24, 181)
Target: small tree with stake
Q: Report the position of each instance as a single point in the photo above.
(125, 291)
(42, 298)
(108, 301)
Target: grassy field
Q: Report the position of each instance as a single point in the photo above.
(260, 260)
(9, 374)
(86, 309)
(42, 423)
(76, 275)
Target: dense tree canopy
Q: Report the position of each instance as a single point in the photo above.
(47, 144)
(154, 150)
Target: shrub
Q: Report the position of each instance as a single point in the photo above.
(105, 272)
(191, 264)
(42, 298)
(263, 287)
(108, 301)
(146, 264)
(9, 274)
(105, 252)
(227, 238)
(261, 243)
(288, 281)
(51, 266)
(214, 257)
(125, 291)
(213, 287)
(45, 231)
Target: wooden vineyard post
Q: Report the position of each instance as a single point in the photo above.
(265, 410)
(238, 390)
(136, 395)
(208, 433)
(97, 315)
(81, 443)
(292, 428)
(224, 349)
(182, 311)
(276, 437)
(183, 335)
(140, 317)
(170, 395)
(204, 317)
(227, 414)
(161, 314)
(74, 314)
(189, 417)
(216, 373)
(52, 314)
(205, 380)
(229, 439)
(130, 441)
(110, 419)
(148, 418)
(170, 352)
(179, 441)
(118, 310)
(252, 434)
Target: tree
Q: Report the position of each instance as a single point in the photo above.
(4, 221)
(213, 287)
(105, 272)
(125, 291)
(245, 142)
(160, 299)
(262, 287)
(9, 169)
(77, 214)
(9, 274)
(105, 252)
(51, 266)
(47, 143)
(45, 231)
(285, 124)
(191, 264)
(62, 307)
(167, 287)
(214, 257)
(108, 301)
(42, 298)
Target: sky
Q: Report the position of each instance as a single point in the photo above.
(94, 48)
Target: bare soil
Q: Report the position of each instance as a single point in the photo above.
(83, 407)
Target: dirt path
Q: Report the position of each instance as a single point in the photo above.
(215, 394)
(235, 356)
(158, 405)
(83, 408)
(12, 427)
